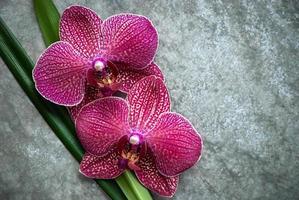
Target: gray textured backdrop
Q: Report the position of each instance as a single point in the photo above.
(231, 67)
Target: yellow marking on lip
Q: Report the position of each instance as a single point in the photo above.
(131, 156)
(109, 81)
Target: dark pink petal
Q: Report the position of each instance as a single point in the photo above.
(80, 27)
(91, 93)
(128, 38)
(128, 76)
(175, 144)
(101, 123)
(60, 75)
(150, 177)
(147, 99)
(104, 167)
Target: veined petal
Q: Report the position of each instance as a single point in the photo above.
(60, 74)
(175, 144)
(128, 38)
(80, 27)
(128, 76)
(91, 93)
(101, 123)
(151, 178)
(147, 99)
(101, 167)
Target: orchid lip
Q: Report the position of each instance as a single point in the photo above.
(122, 163)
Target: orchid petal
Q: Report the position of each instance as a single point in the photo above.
(101, 123)
(80, 27)
(128, 76)
(104, 167)
(128, 38)
(175, 144)
(151, 178)
(60, 75)
(147, 99)
(91, 93)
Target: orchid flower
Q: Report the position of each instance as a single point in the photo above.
(95, 58)
(139, 134)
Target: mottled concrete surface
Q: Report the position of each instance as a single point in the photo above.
(231, 67)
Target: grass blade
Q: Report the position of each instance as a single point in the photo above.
(18, 63)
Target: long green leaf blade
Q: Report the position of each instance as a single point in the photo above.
(132, 188)
(48, 20)
(27, 65)
(18, 62)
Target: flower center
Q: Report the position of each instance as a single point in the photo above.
(132, 148)
(104, 73)
(130, 158)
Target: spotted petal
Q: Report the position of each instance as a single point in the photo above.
(80, 27)
(91, 93)
(128, 76)
(101, 123)
(104, 167)
(128, 38)
(151, 178)
(148, 99)
(60, 75)
(175, 144)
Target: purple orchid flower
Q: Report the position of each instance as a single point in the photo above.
(140, 134)
(95, 57)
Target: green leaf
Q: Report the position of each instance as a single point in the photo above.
(21, 66)
(48, 20)
(47, 14)
(132, 188)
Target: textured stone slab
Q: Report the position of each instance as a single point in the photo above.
(232, 68)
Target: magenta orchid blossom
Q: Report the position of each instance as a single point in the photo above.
(94, 59)
(140, 134)
(95, 55)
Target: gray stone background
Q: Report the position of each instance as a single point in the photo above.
(231, 67)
